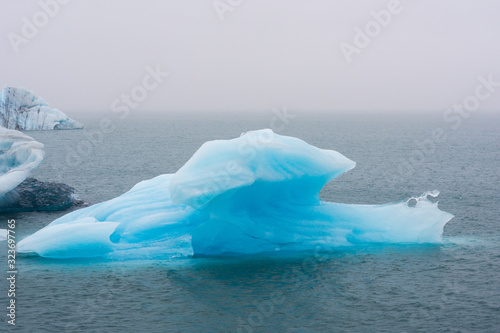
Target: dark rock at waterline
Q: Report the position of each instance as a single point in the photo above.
(33, 195)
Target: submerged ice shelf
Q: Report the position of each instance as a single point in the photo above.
(256, 193)
(20, 109)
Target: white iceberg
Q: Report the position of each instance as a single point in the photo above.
(3, 234)
(20, 109)
(256, 193)
(19, 155)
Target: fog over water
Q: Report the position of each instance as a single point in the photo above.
(409, 90)
(254, 55)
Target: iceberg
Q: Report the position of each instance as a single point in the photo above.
(20, 109)
(33, 195)
(3, 234)
(253, 194)
(19, 155)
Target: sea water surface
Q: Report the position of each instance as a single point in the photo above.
(448, 287)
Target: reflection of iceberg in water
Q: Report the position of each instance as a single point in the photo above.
(256, 193)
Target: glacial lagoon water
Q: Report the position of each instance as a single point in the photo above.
(452, 286)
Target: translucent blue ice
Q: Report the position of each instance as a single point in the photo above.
(256, 193)
(20, 109)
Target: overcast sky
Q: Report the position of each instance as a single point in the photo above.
(263, 54)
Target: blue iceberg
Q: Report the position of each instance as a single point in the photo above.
(256, 193)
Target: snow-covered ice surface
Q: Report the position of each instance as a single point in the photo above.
(19, 155)
(20, 109)
(257, 193)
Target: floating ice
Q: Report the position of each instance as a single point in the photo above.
(20, 109)
(256, 193)
(3, 234)
(19, 155)
(33, 195)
